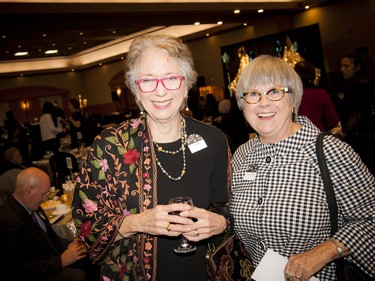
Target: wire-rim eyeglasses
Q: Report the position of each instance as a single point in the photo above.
(274, 94)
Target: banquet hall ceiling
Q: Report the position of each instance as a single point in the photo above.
(75, 28)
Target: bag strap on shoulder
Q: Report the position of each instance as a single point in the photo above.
(331, 198)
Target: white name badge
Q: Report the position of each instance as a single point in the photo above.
(249, 176)
(195, 143)
(199, 145)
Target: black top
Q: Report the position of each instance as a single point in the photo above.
(76, 134)
(205, 181)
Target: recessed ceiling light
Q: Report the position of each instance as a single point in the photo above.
(219, 22)
(3, 36)
(50, 52)
(20, 54)
(237, 11)
(84, 43)
(44, 35)
(114, 31)
(81, 33)
(207, 34)
(197, 23)
(260, 11)
(307, 7)
(245, 24)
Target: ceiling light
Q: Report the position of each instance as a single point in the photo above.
(245, 24)
(197, 23)
(219, 22)
(207, 34)
(44, 35)
(237, 11)
(307, 7)
(3, 36)
(260, 11)
(114, 31)
(20, 54)
(81, 33)
(50, 52)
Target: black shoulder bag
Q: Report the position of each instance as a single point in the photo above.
(346, 271)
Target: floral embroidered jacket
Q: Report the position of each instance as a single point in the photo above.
(117, 180)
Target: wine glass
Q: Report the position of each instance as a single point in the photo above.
(68, 179)
(184, 247)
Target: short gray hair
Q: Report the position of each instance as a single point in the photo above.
(270, 70)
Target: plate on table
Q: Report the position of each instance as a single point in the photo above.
(50, 204)
(54, 219)
(66, 211)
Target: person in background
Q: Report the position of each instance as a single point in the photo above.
(31, 250)
(58, 114)
(210, 109)
(12, 160)
(11, 126)
(7, 184)
(76, 123)
(357, 108)
(133, 169)
(316, 104)
(48, 130)
(278, 197)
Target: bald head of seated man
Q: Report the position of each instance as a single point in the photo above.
(31, 250)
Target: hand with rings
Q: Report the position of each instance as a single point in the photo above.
(169, 227)
(290, 276)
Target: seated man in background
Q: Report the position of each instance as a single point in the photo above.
(31, 250)
(7, 184)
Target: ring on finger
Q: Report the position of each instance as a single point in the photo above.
(169, 226)
(289, 276)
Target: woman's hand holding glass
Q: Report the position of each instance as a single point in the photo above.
(156, 221)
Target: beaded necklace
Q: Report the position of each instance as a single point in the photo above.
(182, 148)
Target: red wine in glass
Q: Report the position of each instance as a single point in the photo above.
(184, 247)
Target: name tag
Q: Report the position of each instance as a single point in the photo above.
(249, 176)
(199, 145)
(196, 143)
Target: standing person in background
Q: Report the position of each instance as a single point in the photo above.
(58, 114)
(133, 169)
(11, 126)
(76, 123)
(316, 104)
(357, 108)
(278, 196)
(48, 130)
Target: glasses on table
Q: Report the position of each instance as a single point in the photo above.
(171, 83)
(274, 94)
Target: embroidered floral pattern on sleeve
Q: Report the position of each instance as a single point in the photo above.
(116, 181)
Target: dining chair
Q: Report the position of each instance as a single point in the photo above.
(63, 163)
